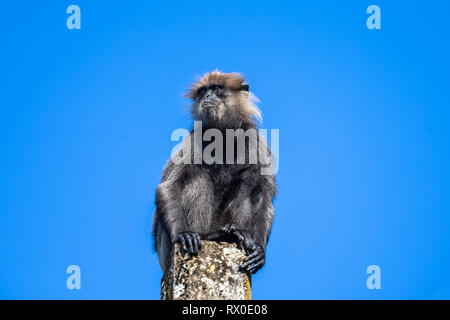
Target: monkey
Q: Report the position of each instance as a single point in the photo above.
(217, 201)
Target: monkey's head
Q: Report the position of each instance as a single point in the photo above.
(223, 100)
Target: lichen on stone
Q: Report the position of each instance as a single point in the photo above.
(211, 275)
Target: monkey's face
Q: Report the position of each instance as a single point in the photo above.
(210, 102)
(215, 103)
(223, 100)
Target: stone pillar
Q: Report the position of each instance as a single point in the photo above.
(211, 275)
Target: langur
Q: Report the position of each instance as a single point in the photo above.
(229, 198)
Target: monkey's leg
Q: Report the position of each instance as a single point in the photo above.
(172, 207)
(197, 201)
(242, 225)
(261, 223)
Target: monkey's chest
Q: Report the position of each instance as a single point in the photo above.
(223, 176)
(226, 181)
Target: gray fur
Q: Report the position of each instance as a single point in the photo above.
(203, 198)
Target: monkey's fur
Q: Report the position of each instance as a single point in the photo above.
(217, 201)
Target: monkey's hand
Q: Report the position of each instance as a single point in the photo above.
(242, 236)
(190, 242)
(255, 260)
(256, 254)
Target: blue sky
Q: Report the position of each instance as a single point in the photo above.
(364, 141)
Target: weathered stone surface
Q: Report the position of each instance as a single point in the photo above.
(211, 275)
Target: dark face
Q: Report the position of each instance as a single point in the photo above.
(211, 101)
(210, 95)
(216, 104)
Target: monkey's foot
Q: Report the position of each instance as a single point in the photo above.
(242, 236)
(255, 259)
(245, 239)
(190, 242)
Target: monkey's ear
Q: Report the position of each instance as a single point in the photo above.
(245, 87)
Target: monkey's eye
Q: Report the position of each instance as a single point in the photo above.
(217, 88)
(201, 92)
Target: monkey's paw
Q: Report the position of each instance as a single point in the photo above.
(190, 242)
(255, 260)
(245, 239)
(228, 228)
(241, 235)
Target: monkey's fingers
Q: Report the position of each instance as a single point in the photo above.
(254, 263)
(239, 235)
(228, 228)
(256, 258)
(199, 241)
(245, 239)
(180, 239)
(195, 244)
(190, 246)
(190, 242)
(253, 258)
(258, 265)
(248, 241)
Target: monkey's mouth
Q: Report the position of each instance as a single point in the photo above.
(209, 104)
(211, 109)
(208, 107)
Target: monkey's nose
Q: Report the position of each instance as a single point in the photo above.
(209, 94)
(208, 100)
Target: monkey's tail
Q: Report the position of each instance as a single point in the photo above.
(162, 241)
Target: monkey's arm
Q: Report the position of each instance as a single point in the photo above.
(263, 212)
(168, 201)
(170, 198)
(259, 233)
(252, 216)
(256, 235)
(168, 205)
